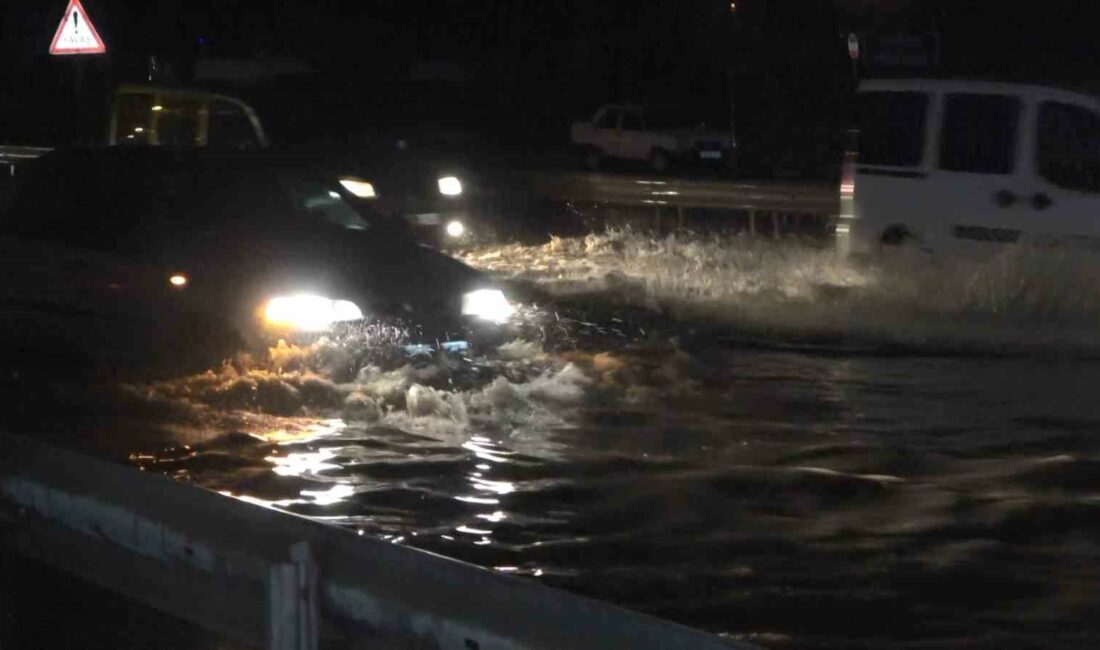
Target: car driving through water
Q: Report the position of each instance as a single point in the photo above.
(243, 244)
(440, 201)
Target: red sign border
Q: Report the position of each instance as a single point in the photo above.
(100, 48)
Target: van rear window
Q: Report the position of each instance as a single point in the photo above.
(1068, 148)
(891, 126)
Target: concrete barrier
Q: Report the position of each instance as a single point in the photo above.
(283, 582)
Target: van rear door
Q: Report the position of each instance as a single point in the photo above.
(1061, 198)
(892, 163)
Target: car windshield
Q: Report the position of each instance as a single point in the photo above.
(323, 201)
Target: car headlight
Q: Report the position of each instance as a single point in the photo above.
(309, 313)
(487, 304)
(456, 229)
(358, 187)
(450, 186)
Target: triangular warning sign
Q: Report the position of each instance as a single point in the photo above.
(76, 34)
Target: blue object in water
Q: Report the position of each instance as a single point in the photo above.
(450, 347)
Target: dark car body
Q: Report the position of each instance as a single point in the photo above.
(102, 231)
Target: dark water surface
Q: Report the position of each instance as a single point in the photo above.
(803, 500)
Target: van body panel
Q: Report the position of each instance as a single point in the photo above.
(999, 164)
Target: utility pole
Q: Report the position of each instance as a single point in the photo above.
(733, 50)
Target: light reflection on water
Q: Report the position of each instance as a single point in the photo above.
(331, 496)
(482, 500)
(320, 453)
(482, 448)
(495, 487)
(494, 517)
(488, 492)
(310, 463)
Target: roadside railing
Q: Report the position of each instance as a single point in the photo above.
(12, 156)
(283, 582)
(767, 207)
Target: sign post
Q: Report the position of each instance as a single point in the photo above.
(77, 36)
(853, 53)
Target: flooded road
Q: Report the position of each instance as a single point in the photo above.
(804, 457)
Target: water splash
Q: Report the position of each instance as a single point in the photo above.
(516, 387)
(1017, 298)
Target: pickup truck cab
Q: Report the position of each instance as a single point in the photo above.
(970, 167)
(622, 132)
(177, 117)
(153, 115)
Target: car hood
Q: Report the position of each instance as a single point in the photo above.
(389, 274)
(385, 274)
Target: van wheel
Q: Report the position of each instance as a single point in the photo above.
(591, 159)
(658, 161)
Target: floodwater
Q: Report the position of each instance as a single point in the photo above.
(759, 441)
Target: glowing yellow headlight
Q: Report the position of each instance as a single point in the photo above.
(456, 229)
(450, 186)
(487, 304)
(309, 313)
(359, 188)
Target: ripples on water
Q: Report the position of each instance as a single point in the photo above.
(824, 499)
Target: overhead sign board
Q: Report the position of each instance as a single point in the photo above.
(76, 34)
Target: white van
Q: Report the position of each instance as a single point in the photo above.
(966, 166)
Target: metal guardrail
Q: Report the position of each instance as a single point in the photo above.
(805, 198)
(12, 154)
(280, 581)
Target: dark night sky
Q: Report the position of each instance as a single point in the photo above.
(671, 34)
(552, 60)
(327, 29)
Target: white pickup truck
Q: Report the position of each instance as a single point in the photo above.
(620, 132)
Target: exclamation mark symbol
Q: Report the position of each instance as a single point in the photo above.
(76, 22)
